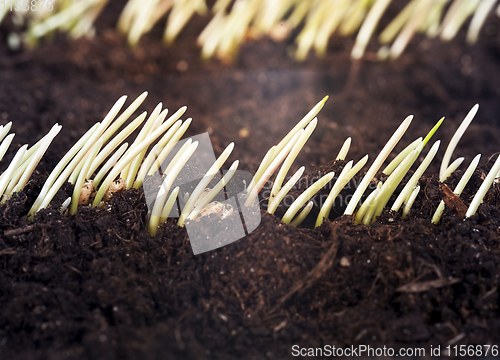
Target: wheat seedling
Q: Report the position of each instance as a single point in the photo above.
(377, 164)
(411, 200)
(345, 176)
(156, 212)
(305, 196)
(214, 169)
(483, 189)
(458, 189)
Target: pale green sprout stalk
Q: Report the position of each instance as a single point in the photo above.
(483, 189)
(65, 205)
(169, 204)
(165, 188)
(390, 32)
(119, 138)
(305, 196)
(253, 193)
(136, 163)
(377, 164)
(33, 162)
(60, 167)
(302, 215)
(109, 164)
(154, 153)
(170, 145)
(404, 37)
(354, 16)
(6, 175)
(202, 185)
(178, 18)
(345, 176)
(482, 11)
(213, 192)
(411, 200)
(329, 25)
(62, 19)
(344, 150)
(459, 11)
(47, 198)
(451, 169)
(274, 203)
(368, 28)
(127, 158)
(401, 156)
(264, 164)
(301, 124)
(454, 141)
(5, 145)
(113, 144)
(175, 158)
(145, 131)
(458, 189)
(392, 182)
(368, 205)
(418, 144)
(372, 205)
(4, 130)
(82, 176)
(410, 185)
(291, 157)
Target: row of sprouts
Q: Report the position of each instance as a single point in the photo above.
(233, 22)
(102, 163)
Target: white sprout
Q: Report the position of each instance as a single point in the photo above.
(305, 196)
(302, 215)
(59, 168)
(169, 204)
(483, 189)
(213, 192)
(127, 158)
(478, 19)
(253, 193)
(82, 176)
(165, 141)
(393, 181)
(451, 169)
(301, 124)
(5, 145)
(6, 175)
(113, 144)
(291, 157)
(368, 28)
(458, 189)
(65, 205)
(156, 212)
(345, 176)
(410, 185)
(113, 160)
(411, 200)
(455, 139)
(274, 203)
(400, 157)
(4, 130)
(344, 149)
(377, 164)
(214, 170)
(368, 206)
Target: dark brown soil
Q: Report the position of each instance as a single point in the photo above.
(96, 285)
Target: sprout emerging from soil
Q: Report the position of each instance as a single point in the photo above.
(234, 22)
(121, 167)
(19, 171)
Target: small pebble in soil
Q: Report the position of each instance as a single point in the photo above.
(345, 262)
